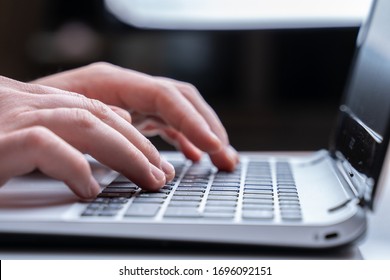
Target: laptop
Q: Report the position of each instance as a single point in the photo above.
(309, 200)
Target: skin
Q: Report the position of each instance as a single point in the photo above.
(105, 110)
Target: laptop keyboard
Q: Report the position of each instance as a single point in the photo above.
(255, 191)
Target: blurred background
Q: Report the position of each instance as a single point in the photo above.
(273, 89)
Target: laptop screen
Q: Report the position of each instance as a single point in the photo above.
(362, 133)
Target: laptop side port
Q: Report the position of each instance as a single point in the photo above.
(331, 236)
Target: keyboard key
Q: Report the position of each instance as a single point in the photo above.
(221, 203)
(178, 203)
(256, 191)
(292, 217)
(222, 209)
(188, 193)
(220, 197)
(114, 206)
(142, 210)
(218, 215)
(294, 191)
(102, 200)
(283, 202)
(225, 184)
(289, 202)
(150, 194)
(123, 184)
(191, 189)
(89, 213)
(186, 198)
(258, 187)
(148, 200)
(119, 190)
(290, 211)
(258, 182)
(258, 201)
(259, 195)
(177, 212)
(228, 193)
(166, 191)
(225, 189)
(118, 200)
(95, 206)
(269, 207)
(195, 180)
(290, 206)
(258, 214)
(108, 212)
(101, 210)
(190, 185)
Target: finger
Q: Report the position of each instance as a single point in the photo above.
(179, 113)
(148, 95)
(227, 157)
(196, 99)
(122, 113)
(154, 126)
(181, 143)
(106, 115)
(90, 135)
(36, 147)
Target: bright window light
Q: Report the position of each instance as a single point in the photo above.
(240, 14)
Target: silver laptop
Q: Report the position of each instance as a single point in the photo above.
(315, 200)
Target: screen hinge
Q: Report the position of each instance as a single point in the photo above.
(360, 185)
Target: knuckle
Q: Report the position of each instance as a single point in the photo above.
(80, 164)
(83, 118)
(101, 67)
(167, 94)
(36, 137)
(164, 89)
(150, 150)
(98, 108)
(189, 88)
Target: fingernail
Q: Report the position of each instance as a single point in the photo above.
(216, 140)
(93, 188)
(157, 173)
(232, 154)
(168, 169)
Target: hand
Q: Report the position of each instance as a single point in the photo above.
(47, 128)
(45, 121)
(173, 109)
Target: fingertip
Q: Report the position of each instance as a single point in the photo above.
(215, 142)
(90, 190)
(168, 169)
(159, 176)
(226, 159)
(193, 153)
(86, 190)
(93, 188)
(232, 154)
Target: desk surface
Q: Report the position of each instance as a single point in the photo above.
(377, 243)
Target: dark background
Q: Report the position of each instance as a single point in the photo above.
(273, 89)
